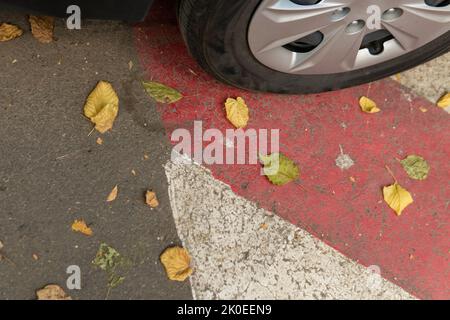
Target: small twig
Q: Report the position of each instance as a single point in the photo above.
(91, 132)
(7, 259)
(368, 89)
(390, 172)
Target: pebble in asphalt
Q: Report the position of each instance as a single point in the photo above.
(53, 172)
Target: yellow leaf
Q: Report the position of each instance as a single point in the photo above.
(368, 106)
(151, 199)
(397, 197)
(9, 32)
(102, 106)
(444, 102)
(42, 28)
(113, 195)
(176, 261)
(237, 112)
(80, 226)
(52, 292)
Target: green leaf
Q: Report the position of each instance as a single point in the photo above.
(107, 258)
(416, 167)
(279, 169)
(162, 93)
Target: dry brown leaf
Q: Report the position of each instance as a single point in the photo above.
(237, 112)
(102, 106)
(81, 226)
(113, 195)
(42, 28)
(52, 292)
(444, 101)
(177, 263)
(397, 197)
(151, 199)
(9, 32)
(99, 141)
(35, 256)
(368, 106)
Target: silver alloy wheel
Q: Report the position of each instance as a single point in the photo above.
(338, 29)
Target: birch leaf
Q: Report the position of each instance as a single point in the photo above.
(237, 112)
(416, 167)
(52, 292)
(102, 106)
(9, 32)
(42, 28)
(444, 102)
(151, 199)
(368, 106)
(161, 92)
(81, 226)
(279, 169)
(107, 258)
(176, 261)
(397, 197)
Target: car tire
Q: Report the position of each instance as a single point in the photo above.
(216, 34)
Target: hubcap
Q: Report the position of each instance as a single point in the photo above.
(334, 36)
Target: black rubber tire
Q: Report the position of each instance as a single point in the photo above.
(215, 32)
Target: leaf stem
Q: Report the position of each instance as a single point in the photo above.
(390, 172)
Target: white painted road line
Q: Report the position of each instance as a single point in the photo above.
(242, 252)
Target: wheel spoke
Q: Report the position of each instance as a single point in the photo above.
(418, 24)
(284, 22)
(337, 52)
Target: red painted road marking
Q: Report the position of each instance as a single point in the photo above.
(412, 250)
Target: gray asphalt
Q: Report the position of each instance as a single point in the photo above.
(53, 172)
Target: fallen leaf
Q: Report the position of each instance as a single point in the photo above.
(444, 101)
(35, 256)
(416, 167)
(99, 141)
(146, 157)
(113, 195)
(110, 261)
(237, 112)
(1, 245)
(52, 292)
(423, 109)
(80, 226)
(133, 172)
(368, 106)
(9, 32)
(352, 179)
(151, 199)
(107, 258)
(130, 65)
(176, 261)
(42, 28)
(279, 169)
(161, 92)
(397, 197)
(102, 106)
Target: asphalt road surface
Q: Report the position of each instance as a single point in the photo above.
(52, 171)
